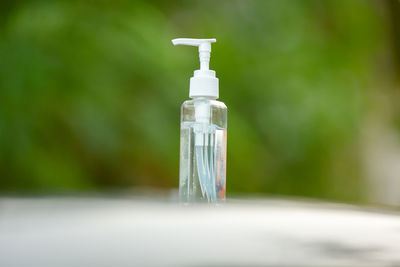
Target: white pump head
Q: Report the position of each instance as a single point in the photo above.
(203, 82)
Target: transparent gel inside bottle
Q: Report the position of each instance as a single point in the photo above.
(203, 151)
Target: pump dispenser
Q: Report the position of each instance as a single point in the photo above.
(203, 133)
(203, 82)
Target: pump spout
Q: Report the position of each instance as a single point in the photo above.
(204, 49)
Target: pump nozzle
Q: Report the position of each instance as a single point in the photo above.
(203, 82)
(204, 49)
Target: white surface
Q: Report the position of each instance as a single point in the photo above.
(107, 232)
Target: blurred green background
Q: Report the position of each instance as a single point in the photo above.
(90, 95)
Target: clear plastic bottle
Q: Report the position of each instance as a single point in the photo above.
(203, 133)
(203, 151)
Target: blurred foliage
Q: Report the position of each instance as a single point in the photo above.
(90, 92)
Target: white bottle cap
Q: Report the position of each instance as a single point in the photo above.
(203, 82)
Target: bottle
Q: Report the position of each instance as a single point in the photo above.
(202, 171)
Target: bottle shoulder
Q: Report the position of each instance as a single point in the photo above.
(210, 102)
(205, 110)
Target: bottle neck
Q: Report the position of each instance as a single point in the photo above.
(204, 98)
